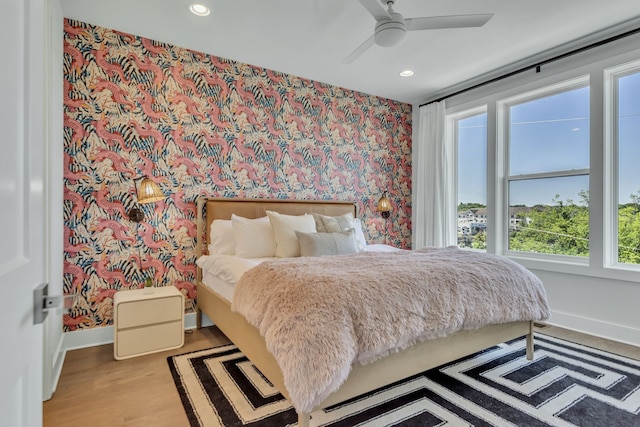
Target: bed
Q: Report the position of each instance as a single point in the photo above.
(361, 378)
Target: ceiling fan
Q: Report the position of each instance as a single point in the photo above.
(391, 27)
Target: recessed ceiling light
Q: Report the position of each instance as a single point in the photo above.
(406, 73)
(199, 9)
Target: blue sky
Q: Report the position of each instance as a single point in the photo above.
(629, 105)
(547, 135)
(472, 159)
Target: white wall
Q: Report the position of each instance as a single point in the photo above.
(586, 298)
(603, 307)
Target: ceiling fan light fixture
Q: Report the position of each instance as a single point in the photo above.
(391, 27)
(199, 9)
(390, 33)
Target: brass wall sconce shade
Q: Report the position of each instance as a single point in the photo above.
(147, 192)
(384, 207)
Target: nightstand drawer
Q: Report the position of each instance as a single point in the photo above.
(147, 320)
(149, 312)
(148, 339)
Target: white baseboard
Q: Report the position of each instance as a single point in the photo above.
(598, 328)
(84, 338)
(190, 321)
(57, 365)
(624, 334)
(49, 387)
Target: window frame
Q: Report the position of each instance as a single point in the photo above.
(611, 174)
(452, 135)
(504, 122)
(592, 63)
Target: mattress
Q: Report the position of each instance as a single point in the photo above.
(222, 287)
(222, 272)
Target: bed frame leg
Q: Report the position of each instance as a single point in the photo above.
(304, 420)
(530, 342)
(198, 318)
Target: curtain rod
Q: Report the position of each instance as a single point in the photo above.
(537, 66)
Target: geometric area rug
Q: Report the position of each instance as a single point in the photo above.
(566, 384)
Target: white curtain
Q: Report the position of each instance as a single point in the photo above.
(434, 212)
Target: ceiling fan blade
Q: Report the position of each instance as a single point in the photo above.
(359, 50)
(375, 8)
(451, 21)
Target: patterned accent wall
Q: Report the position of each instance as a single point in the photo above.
(200, 125)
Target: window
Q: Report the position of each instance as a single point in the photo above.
(561, 187)
(547, 173)
(627, 128)
(471, 143)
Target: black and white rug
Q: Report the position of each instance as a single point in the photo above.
(565, 385)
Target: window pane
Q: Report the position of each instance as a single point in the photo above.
(550, 215)
(629, 169)
(550, 134)
(472, 182)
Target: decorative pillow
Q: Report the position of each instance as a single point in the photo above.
(320, 244)
(253, 237)
(222, 239)
(284, 232)
(333, 224)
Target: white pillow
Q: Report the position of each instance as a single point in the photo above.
(333, 224)
(254, 237)
(357, 226)
(222, 239)
(320, 244)
(284, 232)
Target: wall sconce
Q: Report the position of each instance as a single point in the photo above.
(384, 206)
(147, 192)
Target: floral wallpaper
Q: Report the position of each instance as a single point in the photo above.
(204, 126)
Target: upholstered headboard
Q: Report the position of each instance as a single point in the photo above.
(220, 208)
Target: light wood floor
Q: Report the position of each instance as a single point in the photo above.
(96, 390)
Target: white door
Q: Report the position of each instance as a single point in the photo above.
(22, 195)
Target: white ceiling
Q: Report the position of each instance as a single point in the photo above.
(310, 38)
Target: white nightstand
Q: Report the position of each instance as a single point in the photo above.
(145, 323)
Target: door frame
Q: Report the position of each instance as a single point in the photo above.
(53, 337)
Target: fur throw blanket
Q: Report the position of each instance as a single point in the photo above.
(321, 315)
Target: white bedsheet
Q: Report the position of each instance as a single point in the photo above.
(222, 272)
(377, 247)
(223, 288)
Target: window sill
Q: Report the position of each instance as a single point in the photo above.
(629, 274)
